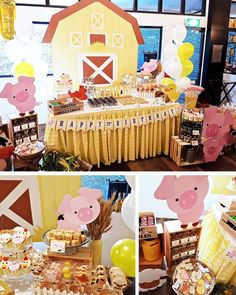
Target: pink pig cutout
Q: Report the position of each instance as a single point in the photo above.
(185, 196)
(216, 124)
(212, 148)
(73, 212)
(21, 95)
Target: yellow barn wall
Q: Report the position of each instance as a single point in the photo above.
(65, 56)
(220, 184)
(52, 190)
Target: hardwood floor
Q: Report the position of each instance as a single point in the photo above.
(226, 162)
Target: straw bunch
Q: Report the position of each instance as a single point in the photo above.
(102, 224)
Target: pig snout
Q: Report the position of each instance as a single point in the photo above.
(213, 130)
(22, 96)
(85, 214)
(211, 150)
(188, 199)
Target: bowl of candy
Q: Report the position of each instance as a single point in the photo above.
(192, 276)
(30, 150)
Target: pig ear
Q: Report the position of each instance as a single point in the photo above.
(166, 188)
(6, 92)
(200, 178)
(90, 194)
(65, 205)
(26, 80)
(228, 119)
(211, 111)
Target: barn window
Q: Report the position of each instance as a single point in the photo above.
(117, 40)
(76, 39)
(97, 38)
(97, 21)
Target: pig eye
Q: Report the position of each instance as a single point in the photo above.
(14, 97)
(220, 126)
(26, 89)
(75, 212)
(177, 200)
(91, 206)
(195, 188)
(207, 125)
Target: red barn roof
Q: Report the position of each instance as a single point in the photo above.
(56, 18)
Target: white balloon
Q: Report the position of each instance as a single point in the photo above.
(183, 83)
(24, 28)
(14, 51)
(40, 70)
(173, 68)
(160, 77)
(170, 51)
(131, 181)
(179, 34)
(128, 211)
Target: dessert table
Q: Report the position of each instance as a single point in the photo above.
(120, 133)
(215, 242)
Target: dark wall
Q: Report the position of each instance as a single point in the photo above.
(216, 41)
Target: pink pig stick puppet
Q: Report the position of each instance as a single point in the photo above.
(80, 210)
(216, 124)
(21, 95)
(185, 196)
(212, 148)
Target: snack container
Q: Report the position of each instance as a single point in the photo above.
(61, 106)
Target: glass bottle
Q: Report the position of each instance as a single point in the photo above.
(7, 18)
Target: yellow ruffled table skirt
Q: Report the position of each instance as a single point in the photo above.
(116, 144)
(213, 247)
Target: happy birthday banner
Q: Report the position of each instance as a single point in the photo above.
(112, 124)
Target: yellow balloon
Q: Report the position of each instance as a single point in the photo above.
(24, 69)
(167, 81)
(123, 256)
(187, 68)
(186, 51)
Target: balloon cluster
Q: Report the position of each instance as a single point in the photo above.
(25, 53)
(177, 64)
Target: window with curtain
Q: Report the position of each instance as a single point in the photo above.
(151, 5)
(101, 182)
(42, 2)
(193, 7)
(171, 6)
(151, 48)
(196, 37)
(233, 10)
(124, 4)
(63, 2)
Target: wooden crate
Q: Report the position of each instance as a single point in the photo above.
(58, 106)
(182, 241)
(5, 128)
(20, 128)
(228, 223)
(177, 149)
(83, 257)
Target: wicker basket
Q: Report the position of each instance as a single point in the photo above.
(31, 156)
